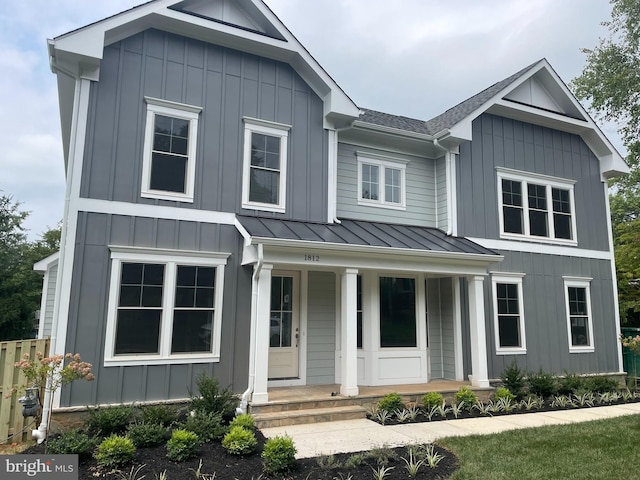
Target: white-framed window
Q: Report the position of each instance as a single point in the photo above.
(165, 306)
(508, 313)
(169, 158)
(398, 328)
(577, 293)
(536, 207)
(381, 181)
(265, 165)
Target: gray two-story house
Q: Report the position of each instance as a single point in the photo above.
(230, 210)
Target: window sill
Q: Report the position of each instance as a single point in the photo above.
(534, 239)
(264, 207)
(389, 206)
(511, 351)
(139, 360)
(175, 197)
(581, 349)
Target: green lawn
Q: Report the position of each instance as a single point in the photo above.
(602, 449)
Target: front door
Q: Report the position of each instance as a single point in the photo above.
(284, 330)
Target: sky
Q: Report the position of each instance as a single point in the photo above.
(415, 58)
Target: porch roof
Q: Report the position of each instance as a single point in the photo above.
(362, 233)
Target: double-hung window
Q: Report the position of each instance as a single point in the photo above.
(381, 181)
(265, 165)
(579, 320)
(536, 207)
(508, 313)
(164, 307)
(168, 168)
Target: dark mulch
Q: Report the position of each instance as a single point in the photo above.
(216, 460)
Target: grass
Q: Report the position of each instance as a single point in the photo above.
(590, 450)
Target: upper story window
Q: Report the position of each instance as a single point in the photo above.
(265, 165)
(536, 207)
(381, 181)
(579, 320)
(168, 168)
(508, 313)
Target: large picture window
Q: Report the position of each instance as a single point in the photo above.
(168, 170)
(397, 312)
(579, 319)
(265, 165)
(536, 207)
(508, 314)
(164, 308)
(381, 181)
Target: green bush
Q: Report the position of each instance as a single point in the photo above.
(570, 383)
(239, 441)
(213, 399)
(160, 414)
(278, 455)
(600, 384)
(514, 379)
(432, 399)
(503, 392)
(391, 402)
(207, 425)
(106, 421)
(542, 384)
(243, 420)
(466, 395)
(72, 442)
(182, 445)
(145, 434)
(114, 451)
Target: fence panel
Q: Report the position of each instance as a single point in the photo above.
(11, 420)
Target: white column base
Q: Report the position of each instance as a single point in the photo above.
(479, 382)
(349, 391)
(259, 398)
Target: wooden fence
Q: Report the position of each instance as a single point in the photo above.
(11, 419)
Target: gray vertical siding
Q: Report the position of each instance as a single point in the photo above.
(420, 186)
(50, 289)
(435, 328)
(502, 142)
(441, 339)
(89, 298)
(442, 207)
(447, 319)
(321, 328)
(228, 85)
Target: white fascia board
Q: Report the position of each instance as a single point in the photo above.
(44, 264)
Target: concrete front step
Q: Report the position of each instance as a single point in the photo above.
(302, 405)
(308, 415)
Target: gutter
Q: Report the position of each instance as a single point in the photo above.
(244, 401)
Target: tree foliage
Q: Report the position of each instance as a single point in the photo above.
(610, 83)
(20, 286)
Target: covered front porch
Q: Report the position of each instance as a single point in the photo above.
(339, 308)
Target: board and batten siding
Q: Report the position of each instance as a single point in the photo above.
(228, 85)
(89, 301)
(321, 328)
(420, 189)
(503, 142)
(440, 310)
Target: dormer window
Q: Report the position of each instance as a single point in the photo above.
(381, 181)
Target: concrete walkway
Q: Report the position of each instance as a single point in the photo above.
(358, 435)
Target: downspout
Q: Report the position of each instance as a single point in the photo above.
(244, 401)
(333, 170)
(447, 159)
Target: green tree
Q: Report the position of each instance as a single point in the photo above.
(610, 83)
(20, 286)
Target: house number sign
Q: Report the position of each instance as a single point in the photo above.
(312, 258)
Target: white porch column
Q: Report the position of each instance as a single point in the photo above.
(263, 307)
(349, 313)
(479, 376)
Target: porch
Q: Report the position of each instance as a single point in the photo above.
(323, 403)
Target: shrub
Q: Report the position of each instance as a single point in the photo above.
(115, 451)
(514, 379)
(432, 399)
(160, 414)
(72, 442)
(570, 383)
(503, 393)
(243, 420)
(599, 384)
(391, 402)
(278, 455)
(145, 434)
(207, 425)
(213, 399)
(182, 445)
(466, 395)
(541, 383)
(106, 421)
(239, 441)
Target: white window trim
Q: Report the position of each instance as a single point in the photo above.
(171, 259)
(176, 110)
(579, 282)
(514, 279)
(382, 162)
(544, 180)
(254, 125)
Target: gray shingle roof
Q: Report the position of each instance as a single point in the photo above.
(362, 233)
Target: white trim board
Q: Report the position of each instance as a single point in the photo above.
(516, 246)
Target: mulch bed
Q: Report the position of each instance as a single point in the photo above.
(216, 460)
